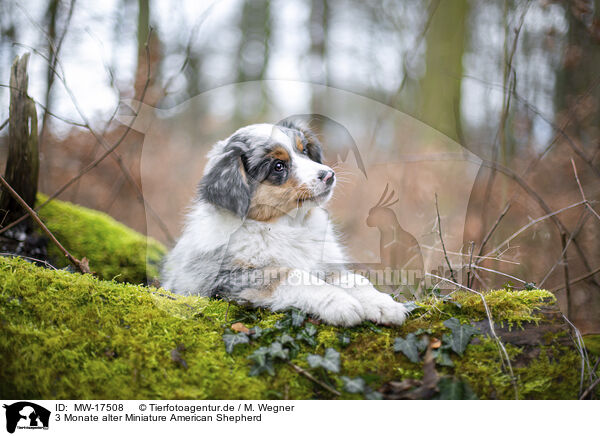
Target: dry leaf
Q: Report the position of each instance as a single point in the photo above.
(239, 327)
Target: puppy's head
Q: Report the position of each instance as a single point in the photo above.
(264, 171)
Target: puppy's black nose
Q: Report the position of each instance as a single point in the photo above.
(327, 176)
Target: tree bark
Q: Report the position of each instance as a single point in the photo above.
(441, 84)
(22, 165)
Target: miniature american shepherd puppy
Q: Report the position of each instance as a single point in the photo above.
(257, 232)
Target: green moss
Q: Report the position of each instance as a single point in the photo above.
(81, 337)
(592, 343)
(73, 336)
(113, 250)
(509, 307)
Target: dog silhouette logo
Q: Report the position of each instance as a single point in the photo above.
(26, 415)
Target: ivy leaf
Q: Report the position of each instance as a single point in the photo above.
(298, 318)
(233, 339)
(260, 356)
(306, 335)
(330, 361)
(370, 394)
(372, 327)
(344, 339)
(353, 385)
(461, 335)
(283, 324)
(443, 358)
(422, 343)
(453, 389)
(285, 339)
(410, 306)
(310, 329)
(409, 347)
(314, 360)
(276, 351)
(256, 332)
(420, 331)
(259, 369)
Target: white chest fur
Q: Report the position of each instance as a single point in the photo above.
(303, 241)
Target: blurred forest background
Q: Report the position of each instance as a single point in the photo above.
(515, 82)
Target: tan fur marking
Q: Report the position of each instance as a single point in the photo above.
(243, 170)
(276, 277)
(279, 153)
(270, 201)
(243, 264)
(299, 144)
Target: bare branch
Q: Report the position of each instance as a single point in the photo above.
(578, 279)
(493, 228)
(309, 376)
(589, 389)
(530, 224)
(582, 220)
(587, 203)
(81, 265)
(439, 223)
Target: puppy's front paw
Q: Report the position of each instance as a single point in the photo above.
(382, 309)
(343, 310)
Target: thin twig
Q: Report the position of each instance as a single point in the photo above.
(52, 114)
(582, 220)
(92, 165)
(100, 140)
(4, 124)
(589, 389)
(493, 228)
(309, 376)
(471, 249)
(580, 344)
(80, 265)
(439, 223)
(578, 279)
(46, 263)
(477, 258)
(532, 223)
(499, 272)
(587, 203)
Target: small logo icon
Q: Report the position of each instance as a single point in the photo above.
(26, 415)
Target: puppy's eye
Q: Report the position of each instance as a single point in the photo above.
(279, 166)
(305, 150)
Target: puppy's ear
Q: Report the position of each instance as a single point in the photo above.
(226, 183)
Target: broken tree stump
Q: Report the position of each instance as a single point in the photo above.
(22, 164)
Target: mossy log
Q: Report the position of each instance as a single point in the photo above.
(68, 335)
(114, 251)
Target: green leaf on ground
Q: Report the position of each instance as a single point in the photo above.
(453, 389)
(330, 361)
(410, 347)
(461, 335)
(233, 339)
(276, 351)
(353, 385)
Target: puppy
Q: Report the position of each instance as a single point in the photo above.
(257, 234)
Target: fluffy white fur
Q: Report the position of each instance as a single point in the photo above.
(301, 243)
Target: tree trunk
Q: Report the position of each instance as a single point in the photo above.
(22, 165)
(440, 87)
